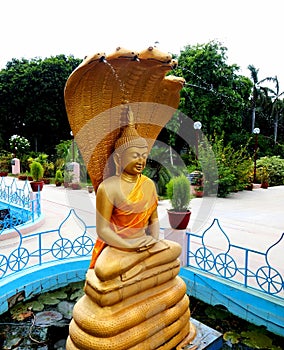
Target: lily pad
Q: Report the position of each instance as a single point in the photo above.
(66, 309)
(48, 317)
(48, 299)
(77, 295)
(35, 305)
(232, 337)
(76, 285)
(256, 340)
(59, 294)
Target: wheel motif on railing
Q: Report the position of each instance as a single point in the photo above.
(269, 280)
(225, 265)
(204, 259)
(61, 248)
(82, 245)
(3, 265)
(18, 259)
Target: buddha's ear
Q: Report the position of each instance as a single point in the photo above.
(117, 162)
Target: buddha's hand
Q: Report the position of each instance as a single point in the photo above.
(143, 243)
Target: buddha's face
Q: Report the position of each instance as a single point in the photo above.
(133, 160)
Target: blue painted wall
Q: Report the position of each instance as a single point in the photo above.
(41, 279)
(248, 304)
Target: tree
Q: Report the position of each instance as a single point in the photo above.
(214, 93)
(256, 92)
(277, 106)
(32, 100)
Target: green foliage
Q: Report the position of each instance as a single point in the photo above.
(234, 166)
(178, 192)
(159, 168)
(270, 169)
(160, 175)
(32, 99)
(37, 170)
(63, 148)
(48, 166)
(62, 151)
(58, 176)
(5, 161)
(215, 94)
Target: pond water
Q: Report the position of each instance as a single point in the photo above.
(42, 323)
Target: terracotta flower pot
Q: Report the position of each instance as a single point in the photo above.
(90, 189)
(264, 184)
(179, 220)
(36, 185)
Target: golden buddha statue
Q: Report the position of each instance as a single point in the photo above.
(134, 298)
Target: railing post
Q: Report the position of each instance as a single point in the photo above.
(246, 269)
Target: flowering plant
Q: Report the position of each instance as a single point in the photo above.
(19, 144)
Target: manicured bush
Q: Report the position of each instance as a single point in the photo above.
(36, 170)
(273, 167)
(178, 192)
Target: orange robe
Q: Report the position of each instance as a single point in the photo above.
(132, 215)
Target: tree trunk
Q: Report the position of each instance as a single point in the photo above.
(275, 127)
(253, 119)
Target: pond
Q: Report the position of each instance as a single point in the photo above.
(42, 323)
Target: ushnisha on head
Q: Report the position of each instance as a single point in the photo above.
(129, 145)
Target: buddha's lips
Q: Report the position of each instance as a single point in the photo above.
(139, 167)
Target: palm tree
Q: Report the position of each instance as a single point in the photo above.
(277, 105)
(256, 91)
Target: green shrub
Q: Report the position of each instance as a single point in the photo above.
(5, 161)
(234, 166)
(58, 175)
(178, 192)
(36, 170)
(273, 167)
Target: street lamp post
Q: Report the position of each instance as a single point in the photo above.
(73, 148)
(256, 131)
(197, 126)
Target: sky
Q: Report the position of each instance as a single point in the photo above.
(251, 30)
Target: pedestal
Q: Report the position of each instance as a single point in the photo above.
(16, 167)
(76, 172)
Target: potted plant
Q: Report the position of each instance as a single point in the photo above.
(90, 189)
(22, 177)
(198, 191)
(37, 171)
(3, 172)
(58, 178)
(196, 179)
(178, 192)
